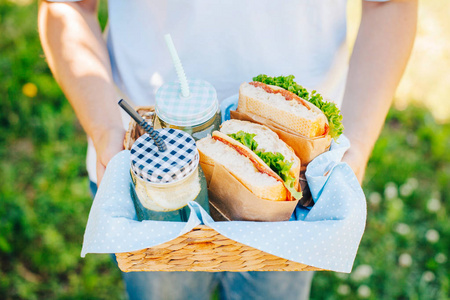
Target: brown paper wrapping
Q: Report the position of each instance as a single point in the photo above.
(304, 147)
(231, 200)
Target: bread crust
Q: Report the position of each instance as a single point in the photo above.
(279, 115)
(243, 150)
(274, 192)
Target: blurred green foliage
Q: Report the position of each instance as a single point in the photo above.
(44, 198)
(44, 194)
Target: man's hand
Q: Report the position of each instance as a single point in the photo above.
(354, 158)
(108, 144)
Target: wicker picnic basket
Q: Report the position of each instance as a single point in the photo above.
(203, 248)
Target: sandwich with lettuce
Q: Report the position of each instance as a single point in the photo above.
(256, 157)
(283, 101)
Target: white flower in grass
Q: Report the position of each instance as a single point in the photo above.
(362, 272)
(433, 205)
(390, 190)
(406, 190)
(374, 198)
(343, 290)
(364, 291)
(405, 260)
(428, 276)
(402, 229)
(432, 236)
(413, 182)
(408, 187)
(440, 258)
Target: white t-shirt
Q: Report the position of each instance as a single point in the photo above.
(226, 43)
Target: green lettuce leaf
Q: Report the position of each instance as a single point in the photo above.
(329, 108)
(275, 161)
(246, 139)
(290, 187)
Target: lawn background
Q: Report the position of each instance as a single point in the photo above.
(44, 198)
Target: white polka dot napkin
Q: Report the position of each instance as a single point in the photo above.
(326, 236)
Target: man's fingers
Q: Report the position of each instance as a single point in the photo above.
(357, 163)
(107, 146)
(100, 172)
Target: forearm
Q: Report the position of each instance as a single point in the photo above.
(76, 53)
(379, 57)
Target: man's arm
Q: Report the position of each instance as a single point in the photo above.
(76, 53)
(382, 48)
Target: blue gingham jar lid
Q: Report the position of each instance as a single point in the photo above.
(178, 161)
(199, 107)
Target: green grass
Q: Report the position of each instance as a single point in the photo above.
(44, 198)
(43, 184)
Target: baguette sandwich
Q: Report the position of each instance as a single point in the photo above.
(281, 100)
(256, 157)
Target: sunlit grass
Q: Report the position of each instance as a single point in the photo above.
(427, 76)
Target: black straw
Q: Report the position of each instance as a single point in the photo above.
(141, 122)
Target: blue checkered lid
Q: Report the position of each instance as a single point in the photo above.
(178, 161)
(199, 107)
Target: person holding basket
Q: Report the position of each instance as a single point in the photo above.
(227, 43)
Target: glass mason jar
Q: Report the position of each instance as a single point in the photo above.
(164, 182)
(168, 202)
(198, 131)
(198, 114)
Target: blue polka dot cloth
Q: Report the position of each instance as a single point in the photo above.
(326, 236)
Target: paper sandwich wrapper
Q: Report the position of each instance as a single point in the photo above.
(230, 200)
(304, 147)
